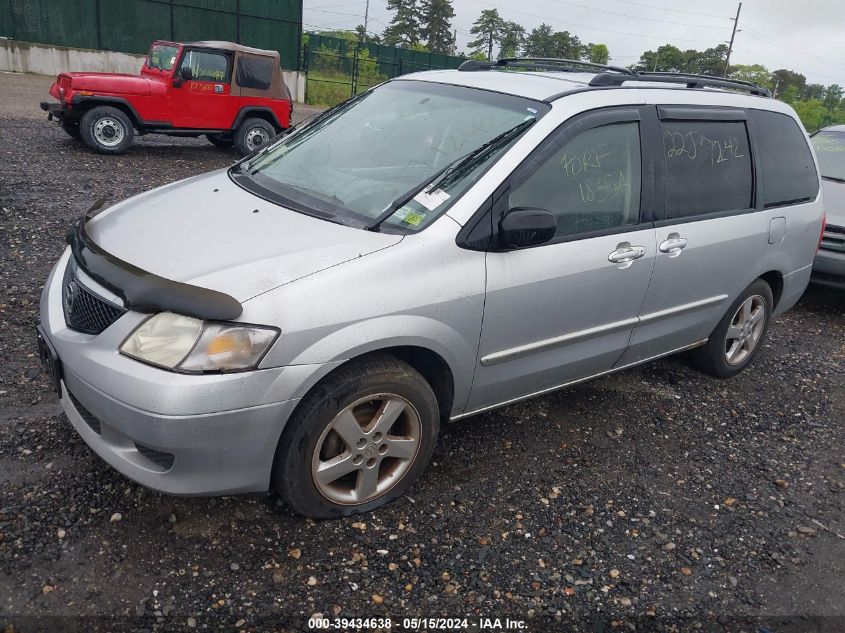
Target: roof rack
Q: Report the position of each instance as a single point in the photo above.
(540, 63)
(614, 75)
(691, 80)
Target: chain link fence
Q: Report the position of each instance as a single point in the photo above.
(337, 69)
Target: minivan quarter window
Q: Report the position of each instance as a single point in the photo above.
(788, 172)
(708, 167)
(590, 183)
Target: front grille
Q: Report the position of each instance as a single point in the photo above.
(833, 238)
(86, 415)
(84, 311)
(159, 458)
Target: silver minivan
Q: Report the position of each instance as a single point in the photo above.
(446, 243)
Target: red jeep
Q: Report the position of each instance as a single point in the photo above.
(232, 94)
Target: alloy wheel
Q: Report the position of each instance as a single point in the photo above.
(366, 449)
(745, 330)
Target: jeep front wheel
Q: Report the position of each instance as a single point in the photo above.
(71, 128)
(252, 134)
(106, 130)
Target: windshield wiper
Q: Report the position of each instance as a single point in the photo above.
(833, 178)
(453, 171)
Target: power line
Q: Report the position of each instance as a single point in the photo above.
(773, 42)
(635, 17)
(781, 64)
(592, 28)
(651, 6)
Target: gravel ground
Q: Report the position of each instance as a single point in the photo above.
(648, 499)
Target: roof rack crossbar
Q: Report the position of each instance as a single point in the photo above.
(540, 63)
(691, 81)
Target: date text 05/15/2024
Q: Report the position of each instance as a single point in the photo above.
(415, 624)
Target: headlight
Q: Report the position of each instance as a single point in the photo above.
(186, 344)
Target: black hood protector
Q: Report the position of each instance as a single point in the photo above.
(144, 291)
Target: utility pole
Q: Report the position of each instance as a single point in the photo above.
(366, 18)
(731, 44)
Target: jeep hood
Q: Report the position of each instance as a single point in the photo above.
(208, 232)
(107, 82)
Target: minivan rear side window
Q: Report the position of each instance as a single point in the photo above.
(788, 172)
(708, 167)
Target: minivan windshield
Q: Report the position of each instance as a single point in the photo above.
(830, 150)
(358, 164)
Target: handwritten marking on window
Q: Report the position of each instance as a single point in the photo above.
(602, 188)
(688, 144)
(588, 160)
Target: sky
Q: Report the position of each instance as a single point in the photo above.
(807, 36)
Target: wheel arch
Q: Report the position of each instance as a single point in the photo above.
(775, 280)
(259, 112)
(83, 104)
(430, 364)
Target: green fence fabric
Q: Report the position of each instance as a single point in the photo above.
(129, 26)
(339, 68)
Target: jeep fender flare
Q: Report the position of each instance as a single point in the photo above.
(95, 100)
(262, 111)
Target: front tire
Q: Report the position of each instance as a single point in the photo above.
(252, 134)
(106, 130)
(358, 441)
(71, 128)
(739, 337)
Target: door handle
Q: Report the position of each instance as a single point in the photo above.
(673, 245)
(625, 254)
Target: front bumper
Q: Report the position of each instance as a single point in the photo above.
(180, 434)
(54, 110)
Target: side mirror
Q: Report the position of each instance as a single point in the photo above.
(186, 73)
(524, 226)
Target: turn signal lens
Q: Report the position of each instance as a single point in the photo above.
(225, 347)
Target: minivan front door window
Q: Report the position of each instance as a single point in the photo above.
(592, 183)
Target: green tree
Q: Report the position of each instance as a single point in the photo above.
(543, 42)
(785, 79)
(404, 27)
(599, 54)
(511, 40)
(666, 58)
(755, 73)
(813, 91)
(811, 112)
(436, 24)
(488, 30)
(540, 42)
(362, 36)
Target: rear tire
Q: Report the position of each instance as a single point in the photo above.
(252, 134)
(375, 422)
(71, 128)
(740, 335)
(107, 130)
(219, 141)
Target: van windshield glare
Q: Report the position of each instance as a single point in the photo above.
(355, 162)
